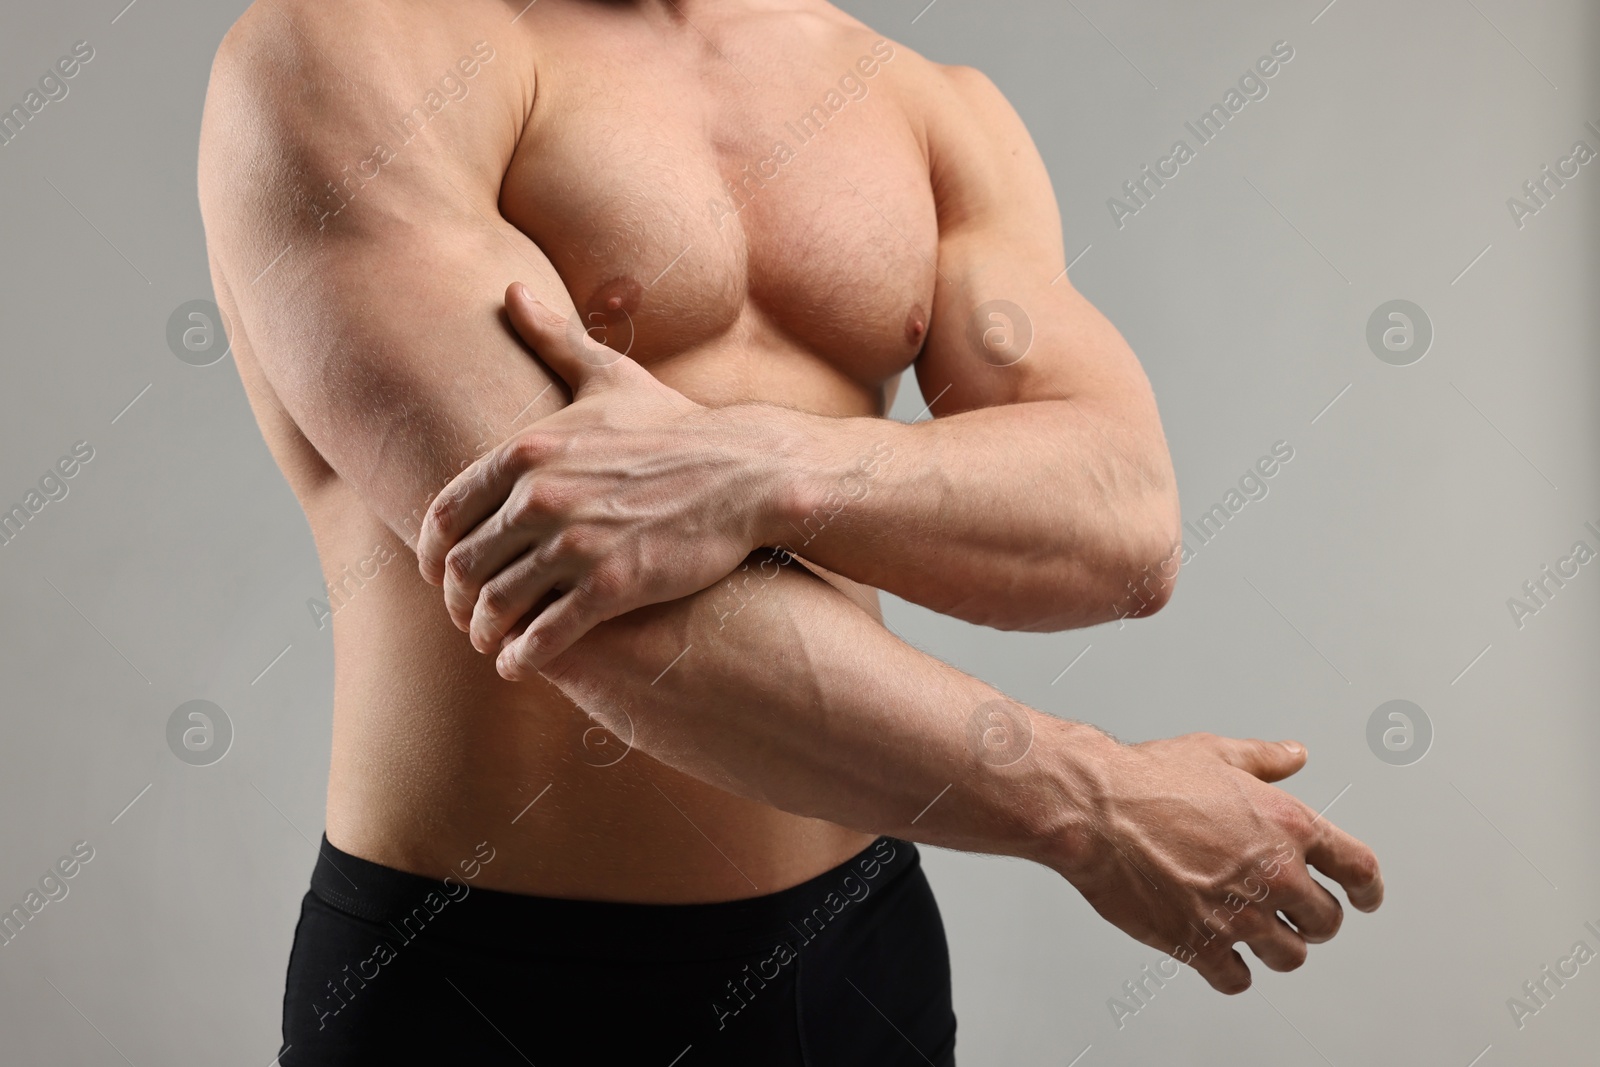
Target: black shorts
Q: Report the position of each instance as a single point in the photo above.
(849, 968)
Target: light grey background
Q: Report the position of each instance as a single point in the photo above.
(1378, 567)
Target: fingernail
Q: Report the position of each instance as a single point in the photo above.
(1294, 747)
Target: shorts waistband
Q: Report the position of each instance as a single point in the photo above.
(500, 922)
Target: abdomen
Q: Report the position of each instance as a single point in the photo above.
(433, 753)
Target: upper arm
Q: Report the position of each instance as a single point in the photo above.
(1008, 327)
(364, 259)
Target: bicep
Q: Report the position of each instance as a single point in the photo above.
(393, 358)
(380, 326)
(1008, 326)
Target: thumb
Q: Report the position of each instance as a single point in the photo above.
(1269, 761)
(560, 341)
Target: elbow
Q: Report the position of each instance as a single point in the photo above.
(1147, 571)
(1117, 560)
(1130, 579)
(1148, 588)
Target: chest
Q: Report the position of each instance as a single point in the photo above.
(769, 197)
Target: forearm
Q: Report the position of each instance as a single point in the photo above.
(781, 690)
(1037, 516)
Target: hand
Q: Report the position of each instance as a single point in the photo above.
(1188, 850)
(631, 495)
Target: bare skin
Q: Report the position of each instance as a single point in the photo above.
(578, 152)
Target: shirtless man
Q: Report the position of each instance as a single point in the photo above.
(435, 229)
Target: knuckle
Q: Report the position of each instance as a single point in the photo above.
(529, 449)
(441, 512)
(1293, 957)
(1278, 878)
(1364, 866)
(513, 662)
(1297, 821)
(495, 599)
(527, 505)
(547, 553)
(537, 646)
(580, 543)
(458, 564)
(1219, 930)
(543, 501)
(604, 584)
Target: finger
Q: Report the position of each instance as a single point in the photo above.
(1348, 862)
(1315, 912)
(1276, 944)
(551, 633)
(560, 341)
(1269, 761)
(508, 597)
(1223, 968)
(474, 562)
(518, 628)
(472, 496)
(476, 559)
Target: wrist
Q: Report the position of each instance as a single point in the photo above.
(821, 467)
(763, 447)
(794, 461)
(1066, 807)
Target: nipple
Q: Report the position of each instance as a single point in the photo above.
(916, 325)
(620, 294)
(608, 313)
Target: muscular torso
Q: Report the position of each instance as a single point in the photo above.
(750, 217)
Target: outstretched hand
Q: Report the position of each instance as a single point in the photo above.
(631, 495)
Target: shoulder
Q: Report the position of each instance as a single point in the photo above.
(304, 93)
(373, 36)
(332, 69)
(968, 101)
(945, 102)
(982, 161)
